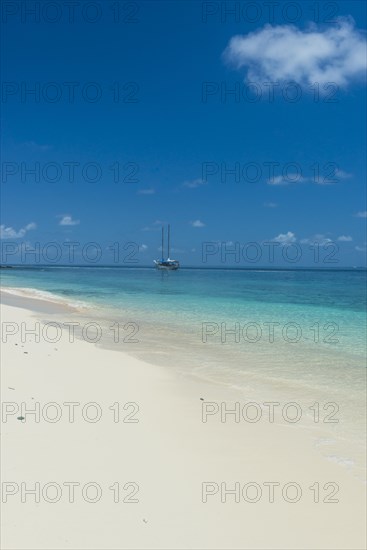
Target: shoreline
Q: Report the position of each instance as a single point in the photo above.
(257, 381)
(170, 452)
(41, 300)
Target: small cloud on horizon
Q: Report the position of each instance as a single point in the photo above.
(11, 233)
(345, 238)
(67, 219)
(285, 238)
(290, 237)
(342, 175)
(293, 178)
(319, 238)
(362, 214)
(193, 184)
(197, 223)
(270, 205)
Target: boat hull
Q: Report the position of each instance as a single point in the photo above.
(167, 266)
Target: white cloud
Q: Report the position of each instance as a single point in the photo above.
(345, 238)
(270, 205)
(286, 53)
(318, 238)
(11, 233)
(193, 184)
(361, 214)
(146, 192)
(276, 180)
(291, 178)
(197, 223)
(68, 220)
(360, 248)
(331, 178)
(342, 175)
(143, 247)
(285, 238)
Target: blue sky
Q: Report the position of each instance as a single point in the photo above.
(188, 152)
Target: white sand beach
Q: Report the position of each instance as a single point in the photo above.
(158, 451)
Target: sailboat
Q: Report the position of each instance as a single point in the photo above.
(167, 264)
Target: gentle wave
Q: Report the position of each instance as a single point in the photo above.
(36, 294)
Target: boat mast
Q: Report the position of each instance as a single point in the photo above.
(162, 243)
(169, 231)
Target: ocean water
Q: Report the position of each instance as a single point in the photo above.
(312, 308)
(220, 322)
(191, 294)
(275, 335)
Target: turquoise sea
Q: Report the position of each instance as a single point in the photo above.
(190, 293)
(320, 306)
(273, 313)
(274, 335)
